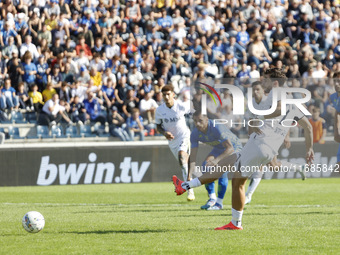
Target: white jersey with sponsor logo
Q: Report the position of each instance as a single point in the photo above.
(263, 105)
(173, 120)
(275, 130)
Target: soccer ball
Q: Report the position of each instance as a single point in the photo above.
(33, 222)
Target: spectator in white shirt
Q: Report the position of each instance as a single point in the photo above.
(135, 78)
(52, 112)
(112, 49)
(148, 107)
(29, 46)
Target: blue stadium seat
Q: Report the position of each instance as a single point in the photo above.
(14, 133)
(17, 117)
(85, 131)
(71, 131)
(43, 132)
(31, 117)
(57, 132)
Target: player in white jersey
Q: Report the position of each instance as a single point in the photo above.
(262, 102)
(170, 120)
(258, 151)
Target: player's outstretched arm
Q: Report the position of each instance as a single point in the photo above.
(308, 130)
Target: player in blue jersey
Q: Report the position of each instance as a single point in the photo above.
(335, 102)
(224, 143)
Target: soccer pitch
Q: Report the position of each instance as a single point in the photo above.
(286, 216)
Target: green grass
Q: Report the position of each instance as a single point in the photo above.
(285, 217)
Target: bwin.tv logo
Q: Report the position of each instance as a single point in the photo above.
(238, 99)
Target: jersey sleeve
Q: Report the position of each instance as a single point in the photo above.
(194, 138)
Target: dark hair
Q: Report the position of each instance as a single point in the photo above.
(167, 88)
(197, 112)
(256, 83)
(276, 74)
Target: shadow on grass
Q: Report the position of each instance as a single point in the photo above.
(138, 210)
(135, 231)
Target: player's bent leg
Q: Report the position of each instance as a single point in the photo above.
(238, 193)
(238, 199)
(181, 187)
(183, 158)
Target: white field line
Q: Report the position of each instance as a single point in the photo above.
(159, 205)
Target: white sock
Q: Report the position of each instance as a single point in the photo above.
(236, 217)
(291, 166)
(252, 186)
(219, 201)
(191, 184)
(212, 196)
(185, 172)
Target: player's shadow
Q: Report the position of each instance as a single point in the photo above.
(133, 231)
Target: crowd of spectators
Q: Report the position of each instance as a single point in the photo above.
(107, 60)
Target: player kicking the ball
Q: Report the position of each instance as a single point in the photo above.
(258, 151)
(171, 123)
(224, 143)
(262, 102)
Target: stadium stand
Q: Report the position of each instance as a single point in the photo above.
(119, 51)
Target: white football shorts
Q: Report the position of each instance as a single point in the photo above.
(253, 155)
(180, 144)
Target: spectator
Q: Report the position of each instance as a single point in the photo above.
(36, 98)
(109, 93)
(130, 102)
(135, 78)
(135, 125)
(257, 51)
(96, 77)
(117, 125)
(148, 107)
(48, 92)
(78, 89)
(24, 100)
(45, 34)
(319, 126)
(29, 68)
(77, 111)
(29, 46)
(57, 49)
(93, 109)
(10, 99)
(205, 25)
(83, 46)
(165, 23)
(7, 32)
(242, 37)
(56, 77)
(7, 52)
(53, 112)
